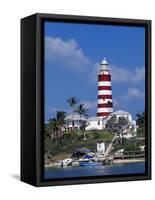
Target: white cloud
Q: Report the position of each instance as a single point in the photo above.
(127, 75)
(90, 104)
(93, 73)
(67, 54)
(116, 103)
(133, 93)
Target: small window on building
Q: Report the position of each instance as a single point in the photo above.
(98, 122)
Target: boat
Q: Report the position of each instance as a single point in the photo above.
(66, 162)
(87, 162)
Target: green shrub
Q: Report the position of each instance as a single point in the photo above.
(96, 135)
(141, 132)
(127, 145)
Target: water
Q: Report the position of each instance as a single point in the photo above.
(116, 169)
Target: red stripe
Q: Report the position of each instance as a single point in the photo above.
(102, 114)
(105, 96)
(104, 87)
(104, 77)
(105, 105)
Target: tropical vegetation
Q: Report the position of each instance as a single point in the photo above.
(141, 124)
(59, 141)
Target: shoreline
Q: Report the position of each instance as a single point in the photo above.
(123, 161)
(116, 161)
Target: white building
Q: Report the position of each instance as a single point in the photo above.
(97, 123)
(101, 147)
(94, 123)
(121, 113)
(73, 121)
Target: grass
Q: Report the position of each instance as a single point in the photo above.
(73, 140)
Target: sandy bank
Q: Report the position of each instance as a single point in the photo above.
(128, 160)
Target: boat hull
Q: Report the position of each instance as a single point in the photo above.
(88, 164)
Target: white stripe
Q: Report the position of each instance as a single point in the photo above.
(100, 101)
(104, 72)
(99, 110)
(104, 83)
(106, 92)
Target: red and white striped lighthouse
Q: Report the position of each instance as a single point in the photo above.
(105, 105)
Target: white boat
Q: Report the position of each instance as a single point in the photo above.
(66, 162)
(87, 162)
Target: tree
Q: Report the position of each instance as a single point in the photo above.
(140, 119)
(72, 101)
(47, 138)
(83, 126)
(60, 116)
(82, 111)
(123, 125)
(123, 122)
(47, 131)
(59, 123)
(118, 126)
(111, 124)
(54, 127)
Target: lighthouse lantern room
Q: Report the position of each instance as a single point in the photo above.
(105, 105)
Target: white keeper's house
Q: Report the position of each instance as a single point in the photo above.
(73, 121)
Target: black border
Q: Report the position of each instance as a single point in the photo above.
(41, 18)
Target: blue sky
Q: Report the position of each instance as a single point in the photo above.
(72, 56)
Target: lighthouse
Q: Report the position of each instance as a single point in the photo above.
(105, 105)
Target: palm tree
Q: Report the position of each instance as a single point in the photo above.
(72, 101)
(60, 116)
(84, 124)
(82, 111)
(54, 127)
(47, 138)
